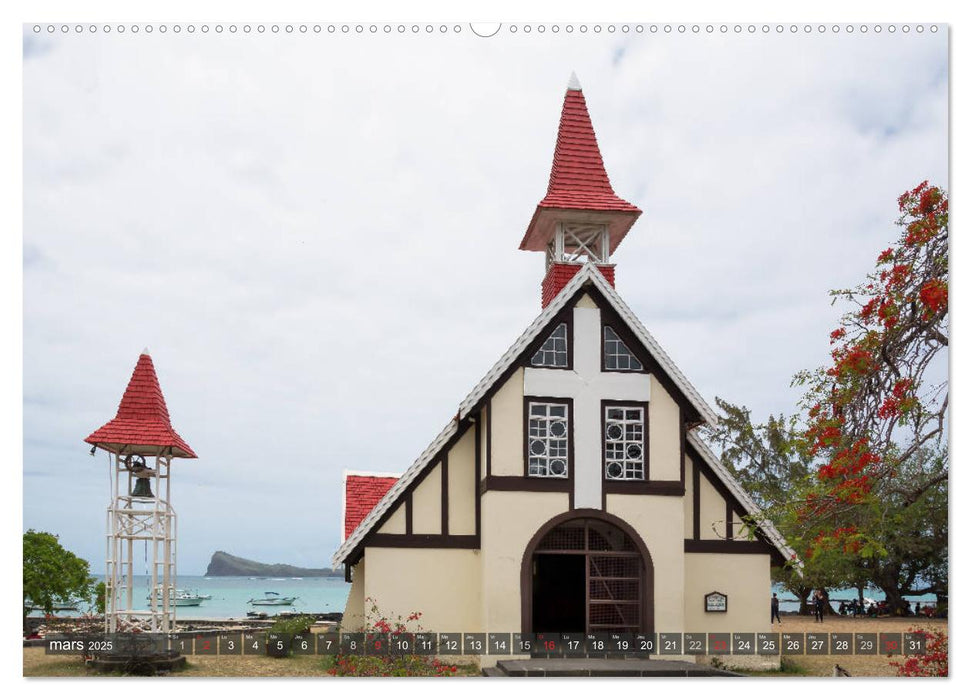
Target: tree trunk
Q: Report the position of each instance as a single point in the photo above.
(803, 594)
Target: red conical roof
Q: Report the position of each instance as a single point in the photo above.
(578, 180)
(142, 424)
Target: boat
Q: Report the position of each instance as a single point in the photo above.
(59, 606)
(272, 598)
(184, 599)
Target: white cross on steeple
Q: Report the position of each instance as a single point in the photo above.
(587, 385)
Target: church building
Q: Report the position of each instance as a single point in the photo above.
(571, 492)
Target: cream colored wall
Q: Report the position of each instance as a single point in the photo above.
(744, 578)
(395, 525)
(509, 521)
(664, 435)
(586, 302)
(712, 508)
(507, 427)
(657, 519)
(740, 529)
(353, 619)
(461, 485)
(426, 504)
(442, 584)
(689, 490)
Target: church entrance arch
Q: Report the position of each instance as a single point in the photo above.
(587, 571)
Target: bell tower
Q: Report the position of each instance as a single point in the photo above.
(142, 444)
(580, 219)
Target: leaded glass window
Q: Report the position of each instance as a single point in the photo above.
(553, 352)
(548, 443)
(624, 443)
(617, 355)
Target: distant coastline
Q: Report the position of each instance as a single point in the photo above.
(225, 564)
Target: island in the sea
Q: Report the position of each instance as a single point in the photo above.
(225, 564)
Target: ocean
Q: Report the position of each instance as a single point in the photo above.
(320, 595)
(231, 593)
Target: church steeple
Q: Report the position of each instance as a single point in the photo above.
(580, 219)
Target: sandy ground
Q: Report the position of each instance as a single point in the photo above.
(856, 665)
(37, 663)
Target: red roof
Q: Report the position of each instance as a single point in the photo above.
(143, 420)
(361, 494)
(578, 181)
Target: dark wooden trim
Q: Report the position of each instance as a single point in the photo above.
(620, 328)
(358, 551)
(347, 573)
(525, 483)
(684, 438)
(424, 541)
(645, 488)
(609, 317)
(571, 458)
(478, 477)
(445, 494)
(521, 360)
(623, 486)
(488, 410)
(526, 567)
(729, 527)
(701, 466)
(727, 547)
(565, 315)
(408, 514)
(695, 500)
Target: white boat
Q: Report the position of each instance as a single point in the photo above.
(272, 598)
(182, 599)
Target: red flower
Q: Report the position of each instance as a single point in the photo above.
(933, 295)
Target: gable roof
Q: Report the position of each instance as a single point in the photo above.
(362, 491)
(588, 274)
(766, 526)
(142, 420)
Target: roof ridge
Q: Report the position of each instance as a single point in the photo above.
(588, 272)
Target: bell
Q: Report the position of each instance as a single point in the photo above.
(143, 488)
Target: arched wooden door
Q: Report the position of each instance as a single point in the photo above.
(587, 571)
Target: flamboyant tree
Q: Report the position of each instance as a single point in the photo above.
(885, 394)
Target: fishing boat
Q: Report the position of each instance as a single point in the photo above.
(183, 599)
(272, 598)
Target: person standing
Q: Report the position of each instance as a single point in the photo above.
(775, 610)
(818, 607)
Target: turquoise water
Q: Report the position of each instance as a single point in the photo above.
(789, 603)
(231, 593)
(321, 595)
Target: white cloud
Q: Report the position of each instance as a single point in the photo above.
(317, 236)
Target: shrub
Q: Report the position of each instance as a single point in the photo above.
(933, 662)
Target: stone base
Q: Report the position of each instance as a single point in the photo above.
(137, 665)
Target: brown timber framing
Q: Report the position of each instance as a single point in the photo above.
(644, 487)
(609, 317)
(758, 545)
(445, 494)
(444, 541)
(690, 415)
(571, 463)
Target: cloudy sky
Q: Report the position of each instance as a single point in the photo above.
(317, 236)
